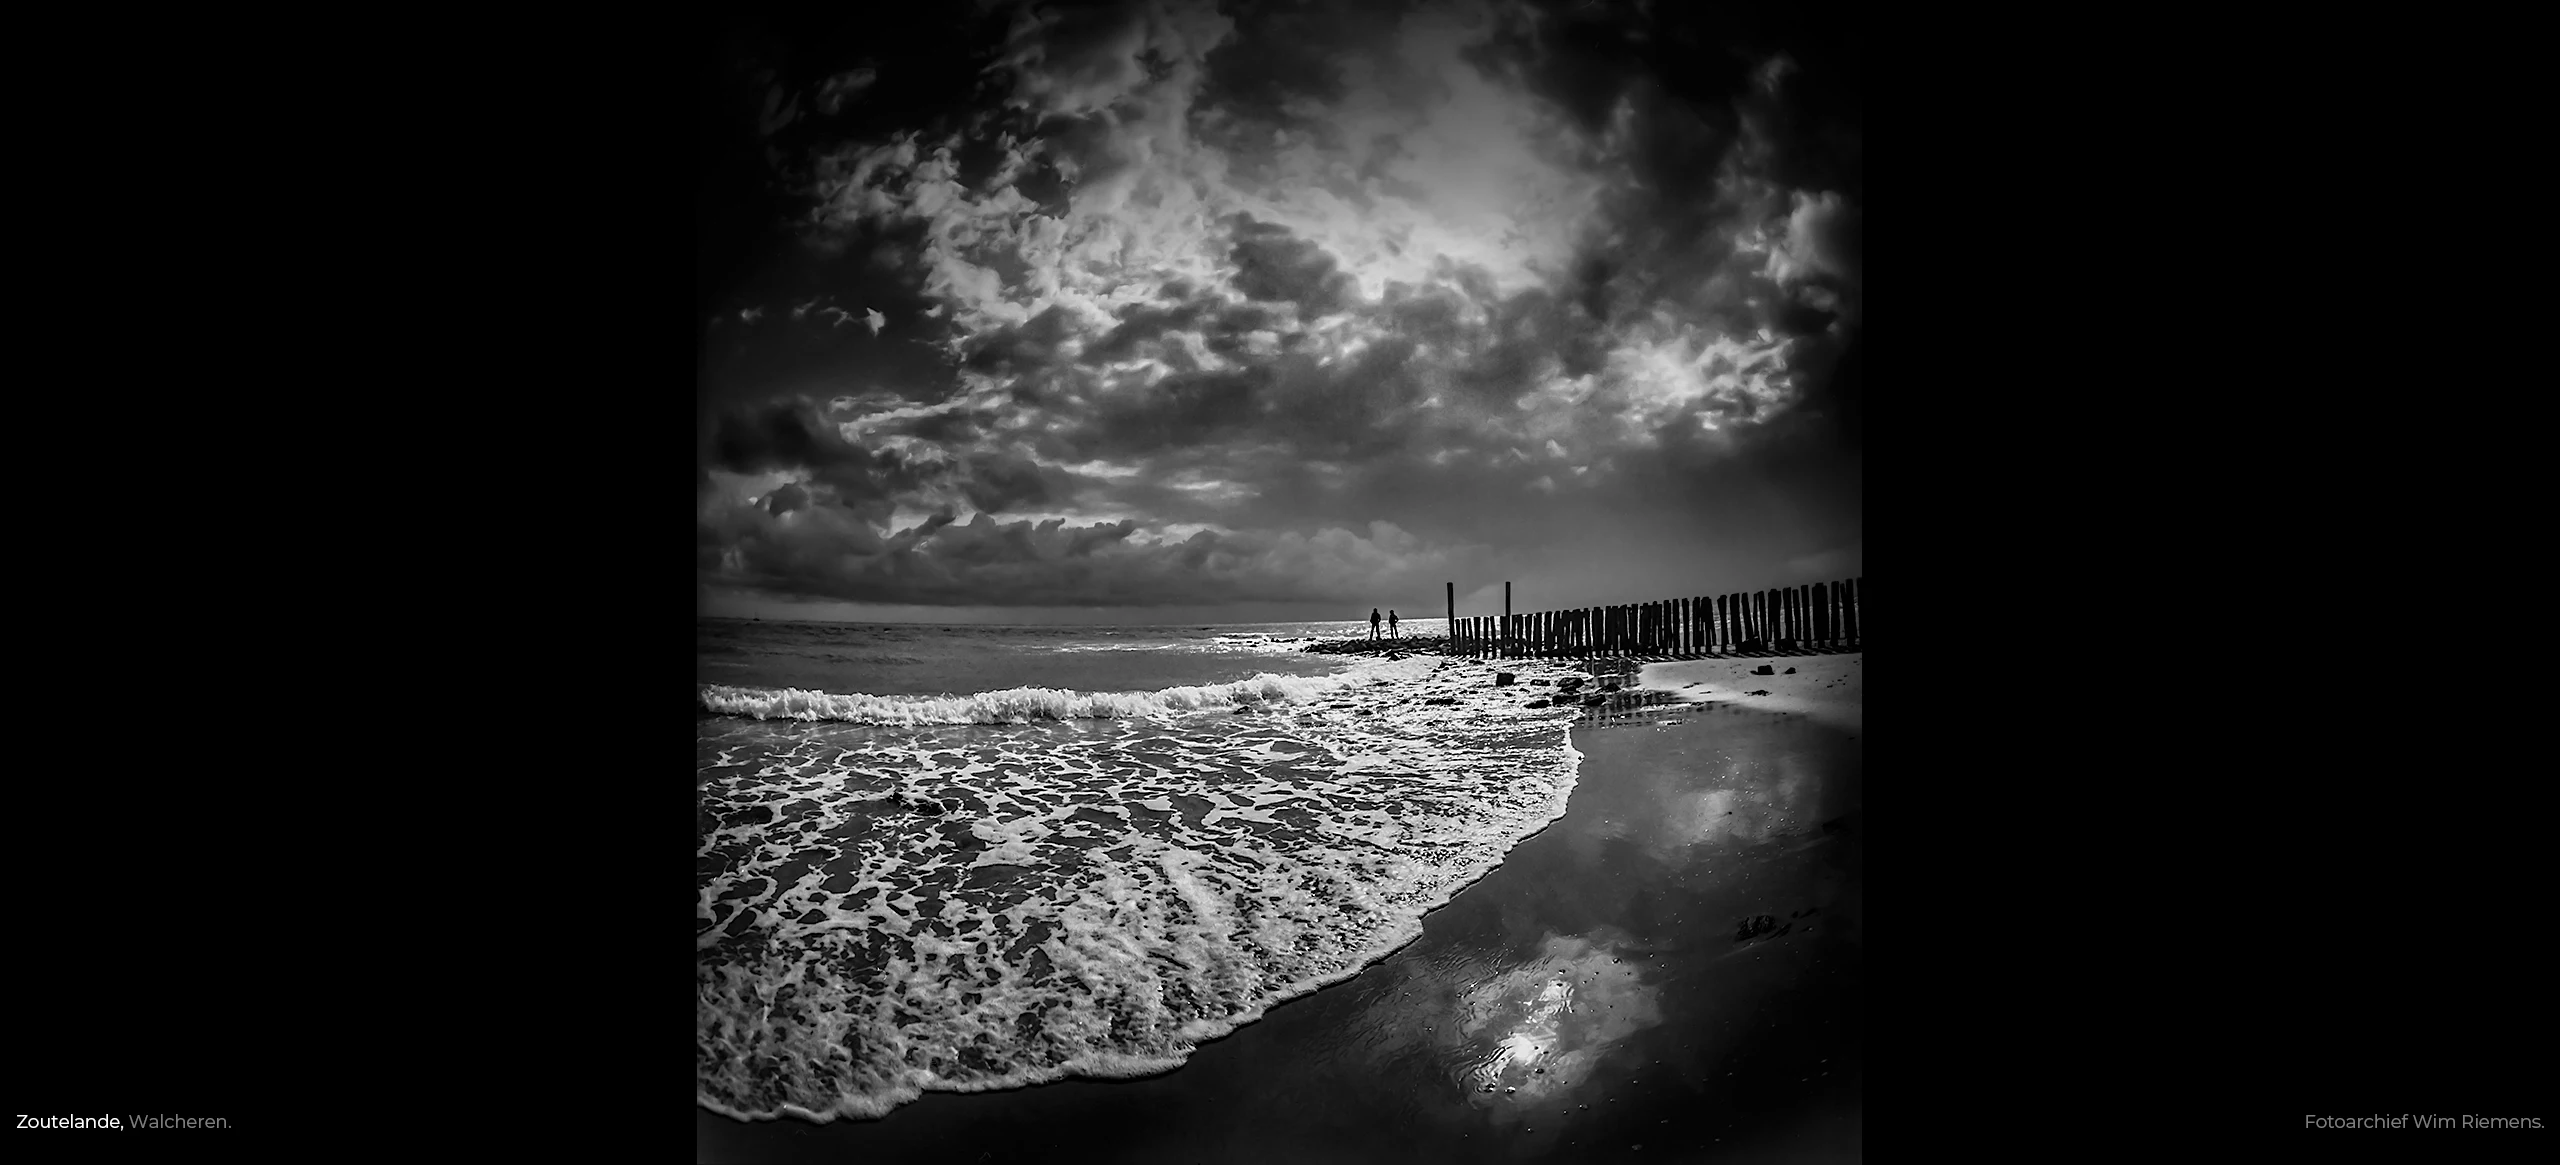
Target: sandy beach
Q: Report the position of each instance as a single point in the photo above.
(1671, 971)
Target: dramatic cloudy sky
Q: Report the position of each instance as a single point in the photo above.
(1174, 311)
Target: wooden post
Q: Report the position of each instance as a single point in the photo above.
(1856, 608)
(1452, 624)
(1821, 615)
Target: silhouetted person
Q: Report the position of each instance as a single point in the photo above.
(1391, 625)
(1373, 622)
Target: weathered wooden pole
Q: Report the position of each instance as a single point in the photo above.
(1856, 609)
(1821, 615)
(1451, 647)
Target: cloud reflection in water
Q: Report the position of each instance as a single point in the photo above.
(1542, 1027)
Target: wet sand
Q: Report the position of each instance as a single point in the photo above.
(1671, 971)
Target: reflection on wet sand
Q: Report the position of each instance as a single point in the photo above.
(1541, 1028)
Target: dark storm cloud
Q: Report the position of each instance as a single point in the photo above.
(791, 435)
(1274, 264)
(1002, 480)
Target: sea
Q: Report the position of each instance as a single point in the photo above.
(965, 858)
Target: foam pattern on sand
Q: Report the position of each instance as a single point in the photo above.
(886, 909)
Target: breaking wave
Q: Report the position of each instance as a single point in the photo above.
(1010, 706)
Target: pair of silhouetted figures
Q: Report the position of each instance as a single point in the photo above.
(1373, 623)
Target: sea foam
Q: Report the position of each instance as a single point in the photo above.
(887, 907)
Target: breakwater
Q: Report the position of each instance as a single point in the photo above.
(1809, 617)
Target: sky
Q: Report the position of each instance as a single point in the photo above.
(1170, 312)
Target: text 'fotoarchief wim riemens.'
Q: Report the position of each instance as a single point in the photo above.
(2412, 1121)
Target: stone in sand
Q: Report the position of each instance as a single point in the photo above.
(1764, 670)
(1503, 679)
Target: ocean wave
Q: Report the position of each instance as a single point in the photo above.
(1010, 706)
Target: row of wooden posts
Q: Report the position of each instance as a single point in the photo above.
(1816, 616)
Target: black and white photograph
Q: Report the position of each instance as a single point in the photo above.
(1280, 582)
